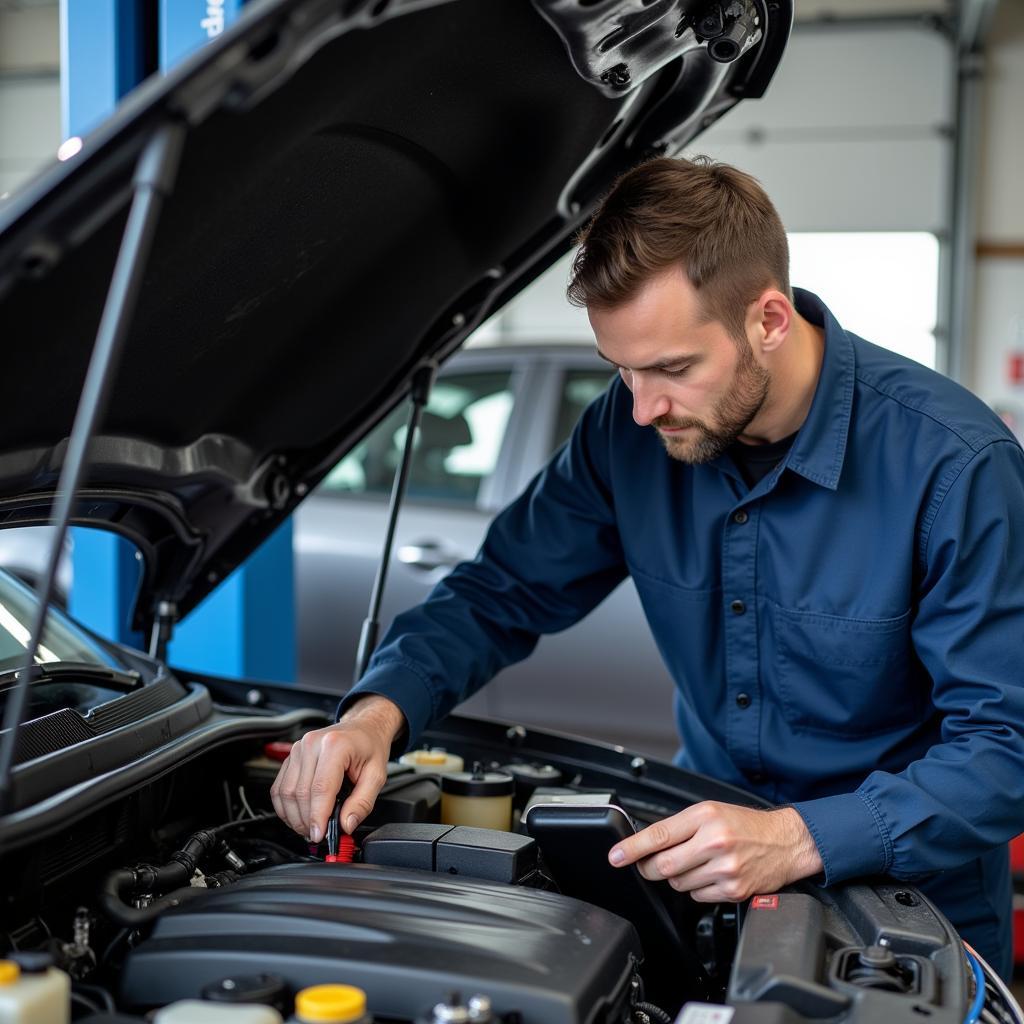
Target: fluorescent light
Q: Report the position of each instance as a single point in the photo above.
(69, 147)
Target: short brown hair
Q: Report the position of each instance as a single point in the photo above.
(714, 220)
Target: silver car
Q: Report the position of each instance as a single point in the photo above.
(494, 418)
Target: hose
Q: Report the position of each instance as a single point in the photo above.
(974, 1013)
(124, 885)
(999, 996)
(656, 1013)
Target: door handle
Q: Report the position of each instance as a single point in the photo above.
(428, 555)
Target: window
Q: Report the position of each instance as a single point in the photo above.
(579, 389)
(456, 449)
(880, 285)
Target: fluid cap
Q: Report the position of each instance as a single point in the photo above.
(268, 989)
(529, 776)
(10, 972)
(478, 783)
(330, 1004)
(429, 757)
(535, 772)
(878, 957)
(197, 1011)
(33, 962)
(435, 760)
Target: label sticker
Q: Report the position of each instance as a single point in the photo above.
(764, 903)
(704, 1013)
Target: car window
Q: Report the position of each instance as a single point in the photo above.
(579, 389)
(457, 448)
(62, 640)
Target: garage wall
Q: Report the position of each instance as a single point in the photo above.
(852, 135)
(999, 317)
(29, 88)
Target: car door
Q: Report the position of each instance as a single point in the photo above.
(603, 678)
(339, 530)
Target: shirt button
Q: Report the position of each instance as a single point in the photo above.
(743, 700)
(757, 778)
(738, 607)
(740, 517)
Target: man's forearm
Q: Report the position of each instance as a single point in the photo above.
(380, 713)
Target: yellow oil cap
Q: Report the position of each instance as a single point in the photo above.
(330, 1004)
(430, 757)
(10, 972)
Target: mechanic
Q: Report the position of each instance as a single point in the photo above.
(828, 540)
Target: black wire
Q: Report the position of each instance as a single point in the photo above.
(114, 942)
(269, 816)
(255, 842)
(654, 1012)
(90, 1006)
(98, 992)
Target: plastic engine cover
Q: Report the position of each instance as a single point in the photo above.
(406, 937)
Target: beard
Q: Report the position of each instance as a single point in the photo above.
(732, 414)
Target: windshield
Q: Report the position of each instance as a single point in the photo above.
(62, 639)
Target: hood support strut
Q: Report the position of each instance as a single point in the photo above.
(153, 182)
(422, 382)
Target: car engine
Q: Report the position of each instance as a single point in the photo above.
(185, 886)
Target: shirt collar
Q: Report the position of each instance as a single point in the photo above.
(820, 446)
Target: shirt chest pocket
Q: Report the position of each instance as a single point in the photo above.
(845, 676)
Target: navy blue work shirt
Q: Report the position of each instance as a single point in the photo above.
(846, 636)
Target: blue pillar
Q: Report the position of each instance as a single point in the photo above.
(186, 24)
(105, 579)
(247, 626)
(102, 57)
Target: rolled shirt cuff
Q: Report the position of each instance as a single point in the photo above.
(850, 834)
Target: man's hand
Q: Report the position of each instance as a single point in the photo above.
(358, 745)
(721, 852)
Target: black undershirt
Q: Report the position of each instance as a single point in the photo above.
(756, 461)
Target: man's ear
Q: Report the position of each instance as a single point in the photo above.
(770, 319)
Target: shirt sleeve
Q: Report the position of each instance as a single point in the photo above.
(966, 794)
(547, 560)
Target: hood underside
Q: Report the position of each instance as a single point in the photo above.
(361, 184)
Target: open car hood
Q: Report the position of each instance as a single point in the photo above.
(362, 183)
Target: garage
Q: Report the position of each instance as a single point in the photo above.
(512, 512)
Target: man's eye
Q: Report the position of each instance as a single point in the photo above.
(679, 372)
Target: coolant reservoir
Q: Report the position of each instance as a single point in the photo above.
(199, 1011)
(436, 760)
(34, 996)
(331, 1004)
(478, 798)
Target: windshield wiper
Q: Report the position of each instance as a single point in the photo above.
(49, 670)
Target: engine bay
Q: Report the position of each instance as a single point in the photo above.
(189, 887)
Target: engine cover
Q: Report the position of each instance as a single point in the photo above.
(406, 937)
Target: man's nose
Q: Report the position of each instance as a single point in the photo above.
(649, 401)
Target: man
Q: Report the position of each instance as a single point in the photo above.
(828, 541)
